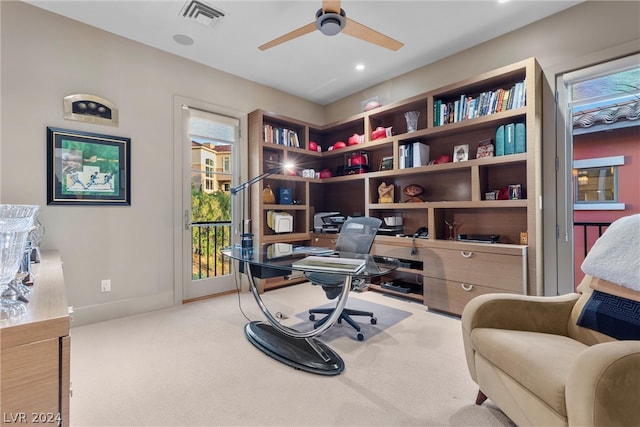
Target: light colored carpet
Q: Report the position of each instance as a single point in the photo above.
(191, 365)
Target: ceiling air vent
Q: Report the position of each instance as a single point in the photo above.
(201, 12)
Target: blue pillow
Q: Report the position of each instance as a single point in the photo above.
(612, 315)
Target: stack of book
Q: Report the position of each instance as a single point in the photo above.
(511, 139)
(413, 155)
(281, 136)
(470, 107)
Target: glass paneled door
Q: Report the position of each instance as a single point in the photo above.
(598, 129)
(210, 139)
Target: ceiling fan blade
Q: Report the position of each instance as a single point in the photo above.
(355, 29)
(289, 36)
(332, 6)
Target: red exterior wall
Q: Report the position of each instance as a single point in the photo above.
(618, 142)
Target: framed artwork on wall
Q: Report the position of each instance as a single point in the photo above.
(87, 168)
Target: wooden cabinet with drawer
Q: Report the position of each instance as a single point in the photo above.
(407, 280)
(456, 274)
(324, 240)
(35, 353)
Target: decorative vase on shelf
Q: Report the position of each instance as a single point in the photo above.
(412, 120)
(267, 196)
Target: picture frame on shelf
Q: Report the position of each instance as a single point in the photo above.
(485, 148)
(515, 192)
(461, 153)
(271, 160)
(86, 168)
(386, 163)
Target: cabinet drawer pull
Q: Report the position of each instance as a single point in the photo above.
(466, 287)
(466, 254)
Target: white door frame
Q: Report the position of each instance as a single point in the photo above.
(182, 163)
(558, 237)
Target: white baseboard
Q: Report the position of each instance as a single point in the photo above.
(122, 308)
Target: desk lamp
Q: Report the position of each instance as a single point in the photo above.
(247, 235)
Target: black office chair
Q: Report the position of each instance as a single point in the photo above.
(356, 236)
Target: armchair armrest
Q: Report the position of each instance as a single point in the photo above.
(519, 312)
(603, 385)
(516, 312)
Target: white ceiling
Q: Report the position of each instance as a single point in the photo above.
(315, 67)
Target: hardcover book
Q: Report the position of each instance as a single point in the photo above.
(509, 139)
(402, 157)
(421, 153)
(500, 141)
(520, 138)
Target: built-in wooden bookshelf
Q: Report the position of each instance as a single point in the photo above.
(455, 191)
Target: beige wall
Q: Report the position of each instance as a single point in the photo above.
(45, 57)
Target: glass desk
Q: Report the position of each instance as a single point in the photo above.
(300, 350)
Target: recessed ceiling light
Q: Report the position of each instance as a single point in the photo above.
(183, 39)
(360, 67)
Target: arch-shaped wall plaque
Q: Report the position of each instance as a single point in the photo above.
(90, 108)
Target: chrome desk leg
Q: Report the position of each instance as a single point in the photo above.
(300, 350)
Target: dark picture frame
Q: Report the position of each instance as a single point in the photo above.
(386, 163)
(86, 168)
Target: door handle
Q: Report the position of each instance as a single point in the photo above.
(187, 219)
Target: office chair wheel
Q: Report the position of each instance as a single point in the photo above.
(374, 320)
(360, 336)
(312, 317)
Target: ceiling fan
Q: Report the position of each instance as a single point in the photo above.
(330, 20)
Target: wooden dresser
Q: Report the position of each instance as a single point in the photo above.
(35, 353)
(456, 272)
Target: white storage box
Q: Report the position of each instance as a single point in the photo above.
(280, 222)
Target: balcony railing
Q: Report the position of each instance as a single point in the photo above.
(588, 234)
(207, 240)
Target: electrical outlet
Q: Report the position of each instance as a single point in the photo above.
(105, 285)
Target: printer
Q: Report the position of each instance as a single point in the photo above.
(327, 222)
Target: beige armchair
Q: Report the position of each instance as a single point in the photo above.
(531, 358)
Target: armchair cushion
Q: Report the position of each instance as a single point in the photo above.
(549, 315)
(612, 315)
(613, 289)
(547, 359)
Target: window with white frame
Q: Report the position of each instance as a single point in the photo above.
(596, 183)
(209, 174)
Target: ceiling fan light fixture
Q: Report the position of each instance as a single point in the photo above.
(330, 23)
(331, 19)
